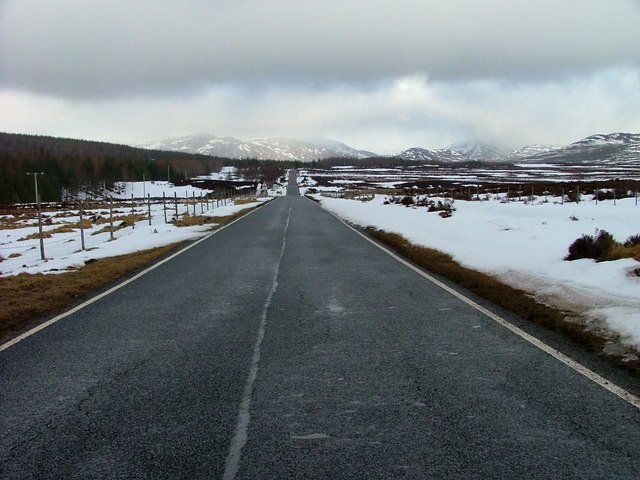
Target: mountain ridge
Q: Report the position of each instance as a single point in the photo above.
(606, 149)
(265, 148)
(616, 148)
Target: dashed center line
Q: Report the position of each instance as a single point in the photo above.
(232, 464)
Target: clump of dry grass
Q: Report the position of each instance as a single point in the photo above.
(119, 223)
(12, 223)
(512, 299)
(26, 297)
(64, 228)
(187, 220)
(245, 200)
(35, 236)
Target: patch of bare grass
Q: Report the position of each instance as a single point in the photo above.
(27, 297)
(35, 236)
(119, 223)
(13, 223)
(245, 200)
(187, 220)
(515, 300)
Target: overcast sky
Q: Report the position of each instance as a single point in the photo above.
(378, 74)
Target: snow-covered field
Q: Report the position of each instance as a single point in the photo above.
(63, 249)
(524, 244)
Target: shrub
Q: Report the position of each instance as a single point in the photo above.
(407, 200)
(632, 241)
(597, 246)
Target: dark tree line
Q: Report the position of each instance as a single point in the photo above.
(70, 165)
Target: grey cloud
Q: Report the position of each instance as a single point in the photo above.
(119, 49)
(406, 112)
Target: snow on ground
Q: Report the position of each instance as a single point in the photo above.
(156, 189)
(226, 173)
(524, 245)
(63, 250)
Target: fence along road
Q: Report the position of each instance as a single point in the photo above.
(286, 346)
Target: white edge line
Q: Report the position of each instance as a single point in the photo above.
(57, 318)
(578, 367)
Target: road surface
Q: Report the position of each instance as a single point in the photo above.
(287, 346)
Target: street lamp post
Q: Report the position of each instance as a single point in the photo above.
(35, 181)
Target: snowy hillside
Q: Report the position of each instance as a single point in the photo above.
(610, 149)
(531, 150)
(438, 155)
(260, 148)
(478, 151)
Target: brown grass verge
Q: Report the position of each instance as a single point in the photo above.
(515, 300)
(26, 297)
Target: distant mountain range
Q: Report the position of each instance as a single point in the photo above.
(612, 149)
(260, 148)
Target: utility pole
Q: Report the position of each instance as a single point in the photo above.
(35, 181)
(144, 186)
(168, 173)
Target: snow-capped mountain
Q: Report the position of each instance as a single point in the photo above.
(617, 138)
(438, 155)
(531, 150)
(603, 149)
(478, 151)
(260, 148)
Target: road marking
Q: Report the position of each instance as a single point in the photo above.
(578, 367)
(232, 463)
(50, 322)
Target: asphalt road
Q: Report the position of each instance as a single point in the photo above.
(286, 346)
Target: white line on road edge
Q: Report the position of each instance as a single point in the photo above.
(44, 325)
(232, 464)
(578, 367)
